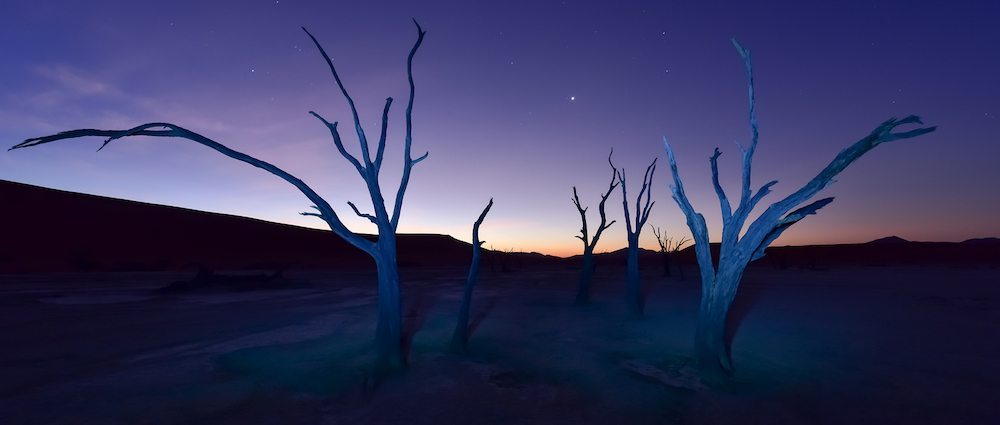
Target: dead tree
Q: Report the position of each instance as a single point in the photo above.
(460, 339)
(506, 258)
(587, 273)
(633, 289)
(383, 251)
(719, 284)
(667, 250)
(491, 254)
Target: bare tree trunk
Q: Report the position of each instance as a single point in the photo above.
(586, 275)
(633, 288)
(388, 333)
(666, 264)
(460, 339)
(712, 351)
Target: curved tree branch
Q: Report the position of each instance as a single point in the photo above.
(340, 145)
(604, 225)
(381, 137)
(408, 161)
(647, 188)
(621, 181)
(695, 221)
(727, 210)
(787, 222)
(365, 154)
(583, 217)
(748, 153)
(326, 211)
(762, 226)
(370, 217)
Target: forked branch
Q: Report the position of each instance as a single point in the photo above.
(642, 210)
(604, 225)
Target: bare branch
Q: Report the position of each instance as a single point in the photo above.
(727, 210)
(479, 221)
(787, 222)
(695, 221)
(762, 226)
(621, 181)
(754, 133)
(647, 188)
(340, 144)
(328, 214)
(408, 162)
(679, 244)
(381, 137)
(600, 207)
(365, 154)
(663, 242)
(761, 193)
(320, 214)
(583, 217)
(370, 217)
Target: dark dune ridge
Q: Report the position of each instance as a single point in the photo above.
(48, 230)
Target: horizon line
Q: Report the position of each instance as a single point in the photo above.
(519, 251)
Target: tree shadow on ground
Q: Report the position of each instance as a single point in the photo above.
(487, 305)
(748, 297)
(420, 304)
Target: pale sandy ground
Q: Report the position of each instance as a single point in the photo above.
(871, 345)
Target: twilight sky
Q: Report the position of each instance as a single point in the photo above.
(516, 100)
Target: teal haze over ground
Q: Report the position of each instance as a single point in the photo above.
(518, 101)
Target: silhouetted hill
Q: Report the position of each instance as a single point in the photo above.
(889, 240)
(53, 230)
(880, 252)
(995, 242)
(883, 252)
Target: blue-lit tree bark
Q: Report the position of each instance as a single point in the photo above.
(633, 287)
(719, 284)
(383, 250)
(587, 273)
(460, 339)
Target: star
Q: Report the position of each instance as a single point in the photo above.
(572, 98)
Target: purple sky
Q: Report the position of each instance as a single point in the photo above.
(520, 101)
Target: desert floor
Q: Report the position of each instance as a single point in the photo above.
(858, 345)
